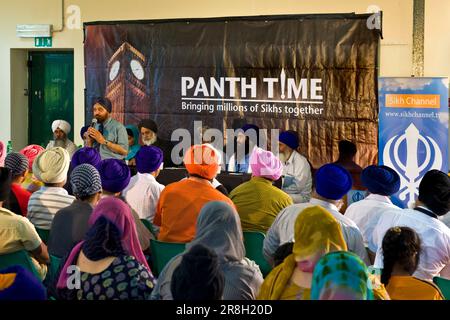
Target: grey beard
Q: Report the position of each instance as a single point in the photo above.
(149, 142)
(60, 143)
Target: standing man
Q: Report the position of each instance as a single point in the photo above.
(149, 134)
(60, 130)
(297, 180)
(109, 137)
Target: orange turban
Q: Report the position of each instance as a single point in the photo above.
(202, 160)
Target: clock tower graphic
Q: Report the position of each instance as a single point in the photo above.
(126, 85)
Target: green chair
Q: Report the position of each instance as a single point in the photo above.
(253, 242)
(443, 285)
(21, 258)
(53, 268)
(43, 234)
(149, 226)
(162, 252)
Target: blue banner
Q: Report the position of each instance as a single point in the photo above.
(413, 130)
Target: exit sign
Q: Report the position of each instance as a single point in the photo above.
(43, 42)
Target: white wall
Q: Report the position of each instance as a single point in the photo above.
(395, 47)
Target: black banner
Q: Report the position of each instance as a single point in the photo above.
(316, 74)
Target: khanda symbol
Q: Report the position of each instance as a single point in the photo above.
(411, 170)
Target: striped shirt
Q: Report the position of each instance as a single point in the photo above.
(44, 204)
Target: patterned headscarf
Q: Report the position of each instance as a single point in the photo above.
(17, 163)
(85, 180)
(341, 275)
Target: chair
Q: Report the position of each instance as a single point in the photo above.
(53, 268)
(162, 252)
(149, 226)
(443, 285)
(43, 234)
(20, 258)
(253, 242)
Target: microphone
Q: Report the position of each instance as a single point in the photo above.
(93, 123)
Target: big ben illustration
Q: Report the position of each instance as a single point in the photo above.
(126, 85)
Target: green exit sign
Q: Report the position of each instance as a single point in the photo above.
(43, 42)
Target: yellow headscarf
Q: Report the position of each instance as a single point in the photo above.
(316, 232)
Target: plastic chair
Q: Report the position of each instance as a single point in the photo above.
(149, 226)
(162, 252)
(20, 258)
(43, 234)
(443, 285)
(253, 242)
(53, 268)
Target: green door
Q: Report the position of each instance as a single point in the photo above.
(50, 94)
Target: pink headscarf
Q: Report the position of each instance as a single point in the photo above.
(31, 152)
(2, 154)
(265, 164)
(119, 213)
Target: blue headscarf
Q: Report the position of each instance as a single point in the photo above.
(132, 150)
(341, 275)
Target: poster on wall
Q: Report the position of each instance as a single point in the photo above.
(413, 130)
(315, 74)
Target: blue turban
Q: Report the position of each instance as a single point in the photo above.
(289, 138)
(333, 181)
(115, 175)
(149, 159)
(26, 287)
(380, 180)
(83, 131)
(86, 155)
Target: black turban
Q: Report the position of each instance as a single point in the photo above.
(434, 191)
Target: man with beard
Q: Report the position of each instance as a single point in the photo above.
(60, 130)
(297, 180)
(149, 137)
(109, 136)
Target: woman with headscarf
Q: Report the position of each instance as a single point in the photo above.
(31, 183)
(218, 227)
(317, 233)
(341, 276)
(133, 144)
(110, 259)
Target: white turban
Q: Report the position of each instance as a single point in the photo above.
(62, 124)
(51, 166)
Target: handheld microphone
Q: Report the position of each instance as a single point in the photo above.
(93, 123)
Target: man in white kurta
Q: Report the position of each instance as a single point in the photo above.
(434, 201)
(382, 182)
(61, 129)
(143, 191)
(297, 180)
(332, 183)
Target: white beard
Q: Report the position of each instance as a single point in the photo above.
(60, 143)
(282, 157)
(149, 142)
